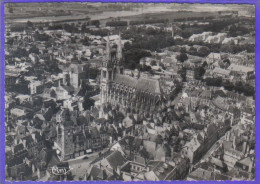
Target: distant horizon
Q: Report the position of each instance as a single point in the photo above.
(186, 6)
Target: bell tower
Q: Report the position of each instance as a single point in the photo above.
(106, 74)
(119, 64)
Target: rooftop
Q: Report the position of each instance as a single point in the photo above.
(240, 68)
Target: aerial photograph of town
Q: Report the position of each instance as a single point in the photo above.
(129, 91)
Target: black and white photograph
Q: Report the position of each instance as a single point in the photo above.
(129, 91)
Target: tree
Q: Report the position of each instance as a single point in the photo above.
(178, 89)
(41, 37)
(144, 68)
(10, 41)
(127, 46)
(214, 81)
(162, 65)
(52, 66)
(153, 63)
(11, 10)
(53, 94)
(19, 52)
(17, 28)
(226, 62)
(182, 57)
(182, 73)
(199, 72)
(29, 24)
(34, 50)
(95, 23)
(133, 57)
(70, 28)
(116, 23)
(48, 44)
(88, 103)
(40, 28)
(204, 64)
(83, 27)
(228, 85)
(193, 51)
(203, 51)
(228, 48)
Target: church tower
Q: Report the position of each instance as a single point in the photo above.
(172, 31)
(119, 49)
(106, 74)
(111, 66)
(119, 54)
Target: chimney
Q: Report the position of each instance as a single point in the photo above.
(195, 141)
(244, 149)
(33, 136)
(33, 168)
(12, 149)
(251, 165)
(118, 170)
(228, 136)
(247, 149)
(24, 143)
(148, 169)
(234, 142)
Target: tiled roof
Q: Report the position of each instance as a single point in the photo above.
(161, 169)
(139, 159)
(205, 94)
(29, 140)
(125, 80)
(201, 174)
(221, 71)
(116, 159)
(246, 161)
(248, 110)
(217, 162)
(240, 68)
(220, 103)
(238, 174)
(221, 177)
(97, 173)
(18, 148)
(81, 120)
(76, 68)
(141, 84)
(149, 85)
(21, 129)
(38, 137)
(94, 132)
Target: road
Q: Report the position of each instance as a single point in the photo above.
(80, 166)
(213, 148)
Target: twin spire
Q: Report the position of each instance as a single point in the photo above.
(119, 48)
(108, 48)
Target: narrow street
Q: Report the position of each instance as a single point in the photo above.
(213, 148)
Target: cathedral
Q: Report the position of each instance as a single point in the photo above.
(130, 94)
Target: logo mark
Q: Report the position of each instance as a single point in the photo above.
(60, 171)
